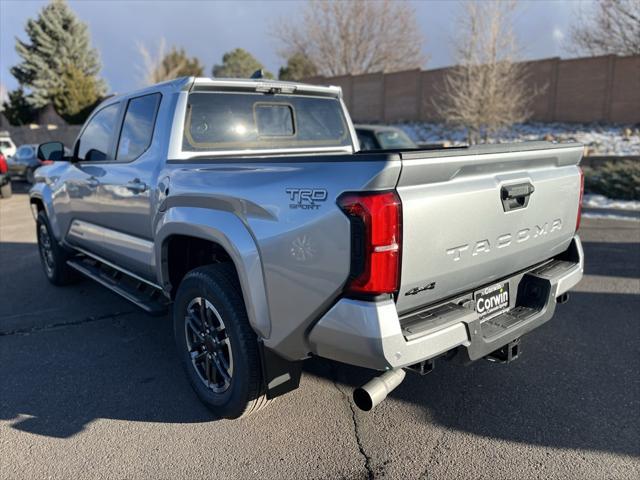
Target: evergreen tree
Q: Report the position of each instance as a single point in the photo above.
(57, 40)
(162, 67)
(178, 61)
(16, 109)
(77, 96)
(238, 63)
(298, 67)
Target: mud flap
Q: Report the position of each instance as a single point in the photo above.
(280, 375)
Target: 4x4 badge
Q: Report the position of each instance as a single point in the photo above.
(415, 291)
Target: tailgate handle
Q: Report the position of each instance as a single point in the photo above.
(516, 196)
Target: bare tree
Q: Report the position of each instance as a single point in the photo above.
(167, 65)
(152, 63)
(486, 90)
(607, 27)
(354, 37)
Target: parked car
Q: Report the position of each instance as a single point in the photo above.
(246, 204)
(25, 162)
(380, 137)
(5, 179)
(7, 146)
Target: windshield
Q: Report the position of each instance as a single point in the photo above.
(394, 139)
(241, 121)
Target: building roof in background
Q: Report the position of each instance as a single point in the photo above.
(48, 116)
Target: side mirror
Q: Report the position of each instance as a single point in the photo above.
(53, 151)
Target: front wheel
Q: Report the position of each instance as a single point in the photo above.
(52, 256)
(217, 346)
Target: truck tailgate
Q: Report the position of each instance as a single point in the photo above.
(473, 216)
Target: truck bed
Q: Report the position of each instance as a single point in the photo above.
(451, 202)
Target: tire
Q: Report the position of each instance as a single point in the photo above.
(216, 288)
(52, 256)
(30, 176)
(5, 190)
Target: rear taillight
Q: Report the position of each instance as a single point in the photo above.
(3, 164)
(579, 217)
(376, 228)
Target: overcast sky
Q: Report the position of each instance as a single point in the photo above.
(207, 29)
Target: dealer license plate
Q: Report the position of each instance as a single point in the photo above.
(492, 301)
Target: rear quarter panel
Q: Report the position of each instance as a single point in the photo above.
(303, 244)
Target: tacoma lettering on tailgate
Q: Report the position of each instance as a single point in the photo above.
(505, 240)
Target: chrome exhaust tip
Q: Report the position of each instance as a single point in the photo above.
(376, 390)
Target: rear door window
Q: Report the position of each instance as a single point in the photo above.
(246, 120)
(137, 128)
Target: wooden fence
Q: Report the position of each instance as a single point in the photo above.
(580, 90)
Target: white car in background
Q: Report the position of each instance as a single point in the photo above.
(7, 147)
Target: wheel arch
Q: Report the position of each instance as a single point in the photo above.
(40, 199)
(227, 239)
(37, 205)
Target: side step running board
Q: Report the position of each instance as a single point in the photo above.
(148, 298)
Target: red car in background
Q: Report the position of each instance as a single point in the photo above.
(5, 179)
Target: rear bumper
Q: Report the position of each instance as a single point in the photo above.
(371, 335)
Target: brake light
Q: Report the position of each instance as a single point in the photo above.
(376, 228)
(579, 217)
(3, 164)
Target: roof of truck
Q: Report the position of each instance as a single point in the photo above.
(259, 84)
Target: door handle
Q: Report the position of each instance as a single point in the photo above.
(92, 182)
(137, 186)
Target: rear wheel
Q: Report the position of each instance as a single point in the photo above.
(52, 256)
(5, 190)
(217, 346)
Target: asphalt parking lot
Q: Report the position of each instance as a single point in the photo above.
(90, 387)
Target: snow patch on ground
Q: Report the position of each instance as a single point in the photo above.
(623, 140)
(600, 201)
(610, 216)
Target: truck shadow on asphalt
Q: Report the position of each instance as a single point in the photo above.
(613, 259)
(575, 385)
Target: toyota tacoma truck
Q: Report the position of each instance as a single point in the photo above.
(246, 208)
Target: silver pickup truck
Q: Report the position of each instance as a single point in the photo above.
(247, 207)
